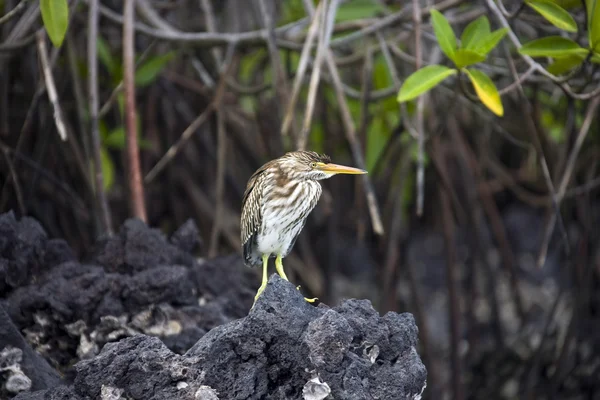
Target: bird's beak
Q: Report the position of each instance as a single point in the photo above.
(340, 169)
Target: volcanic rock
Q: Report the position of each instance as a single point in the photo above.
(284, 349)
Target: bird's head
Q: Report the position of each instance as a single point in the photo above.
(313, 166)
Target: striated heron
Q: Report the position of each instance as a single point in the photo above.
(278, 198)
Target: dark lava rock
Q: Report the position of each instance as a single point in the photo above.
(136, 248)
(187, 238)
(26, 252)
(21, 368)
(137, 281)
(284, 343)
(284, 349)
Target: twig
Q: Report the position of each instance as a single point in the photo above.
(146, 11)
(136, 187)
(24, 24)
(73, 198)
(17, 44)
(515, 40)
(193, 127)
(211, 25)
(15, 180)
(222, 142)
(203, 39)
(78, 92)
(420, 110)
(350, 130)
(566, 178)
(279, 75)
(533, 128)
(453, 301)
(115, 92)
(12, 13)
(364, 119)
(326, 27)
(50, 86)
(302, 65)
(388, 21)
(392, 261)
(93, 99)
(394, 74)
(522, 78)
(220, 184)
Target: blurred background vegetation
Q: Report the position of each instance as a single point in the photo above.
(493, 247)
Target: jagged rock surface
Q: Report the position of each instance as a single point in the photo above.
(284, 349)
(21, 367)
(137, 281)
(140, 318)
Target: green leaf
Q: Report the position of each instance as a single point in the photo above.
(464, 58)
(55, 15)
(108, 168)
(382, 79)
(116, 139)
(488, 43)
(377, 139)
(595, 58)
(291, 10)
(486, 91)
(552, 46)
(564, 64)
(555, 14)
(593, 10)
(444, 33)
(105, 55)
(356, 9)
(422, 80)
(474, 32)
(148, 72)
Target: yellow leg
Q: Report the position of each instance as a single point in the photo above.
(281, 272)
(265, 259)
(279, 267)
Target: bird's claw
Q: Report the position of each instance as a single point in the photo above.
(306, 298)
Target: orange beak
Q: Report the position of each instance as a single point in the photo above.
(340, 169)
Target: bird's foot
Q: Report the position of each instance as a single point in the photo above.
(306, 298)
(259, 292)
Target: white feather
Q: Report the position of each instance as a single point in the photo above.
(281, 225)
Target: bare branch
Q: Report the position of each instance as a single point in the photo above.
(350, 131)
(326, 26)
(13, 13)
(50, 86)
(279, 75)
(420, 110)
(220, 183)
(92, 59)
(566, 178)
(302, 66)
(136, 187)
(15, 179)
(195, 125)
(533, 64)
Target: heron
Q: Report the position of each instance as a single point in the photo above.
(278, 198)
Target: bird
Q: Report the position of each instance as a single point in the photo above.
(276, 203)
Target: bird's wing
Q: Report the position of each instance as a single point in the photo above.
(251, 208)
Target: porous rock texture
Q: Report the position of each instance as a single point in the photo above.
(142, 319)
(284, 349)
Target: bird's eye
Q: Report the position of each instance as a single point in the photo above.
(313, 165)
